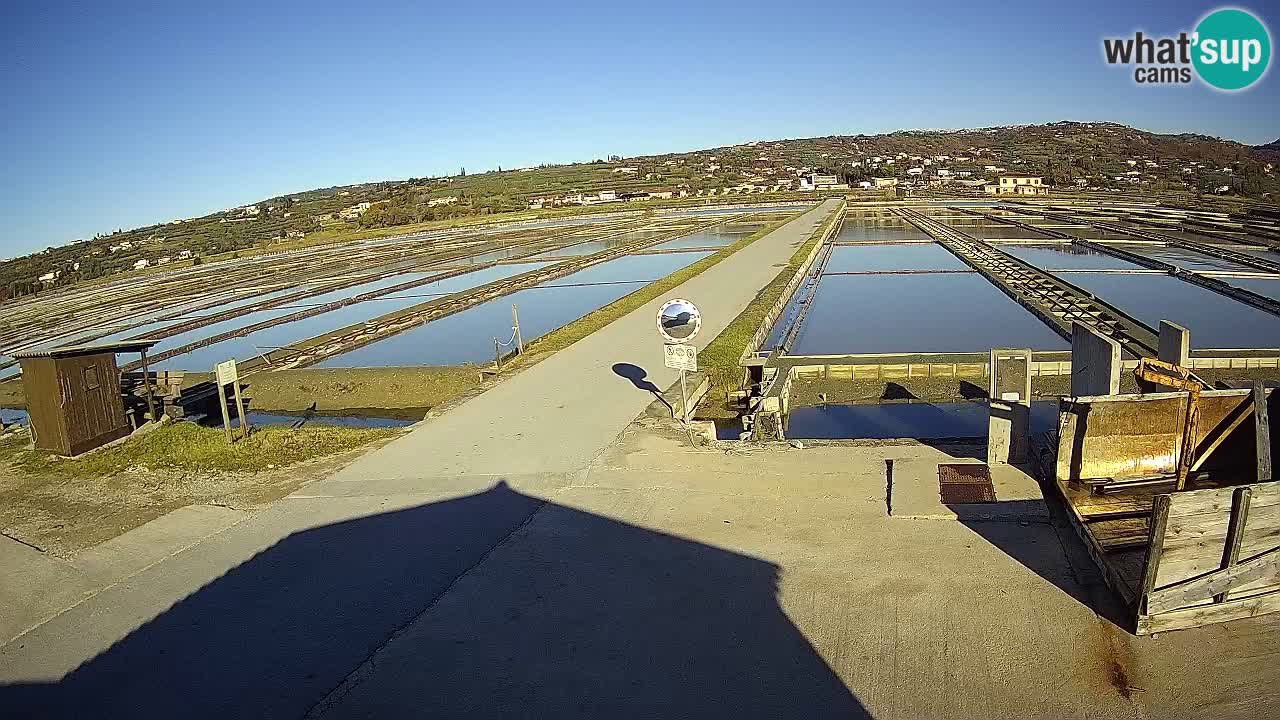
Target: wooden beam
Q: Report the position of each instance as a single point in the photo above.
(1262, 425)
(146, 383)
(1197, 588)
(1235, 532)
(1159, 520)
(226, 417)
(1206, 614)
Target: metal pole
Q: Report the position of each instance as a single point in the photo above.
(515, 327)
(688, 431)
(497, 355)
(146, 382)
(684, 390)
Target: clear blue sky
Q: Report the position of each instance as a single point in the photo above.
(122, 114)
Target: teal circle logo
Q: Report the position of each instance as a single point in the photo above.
(1232, 49)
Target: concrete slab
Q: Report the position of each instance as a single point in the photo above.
(39, 586)
(325, 582)
(36, 586)
(664, 581)
(154, 541)
(1095, 362)
(683, 601)
(1175, 343)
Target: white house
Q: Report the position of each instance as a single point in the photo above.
(354, 211)
(1018, 185)
(141, 264)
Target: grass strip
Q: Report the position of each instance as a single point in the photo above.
(186, 446)
(719, 359)
(571, 333)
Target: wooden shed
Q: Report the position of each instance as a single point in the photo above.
(73, 395)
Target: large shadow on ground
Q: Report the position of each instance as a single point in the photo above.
(1050, 548)
(502, 605)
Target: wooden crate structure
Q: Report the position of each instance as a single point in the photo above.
(1178, 559)
(1214, 556)
(73, 395)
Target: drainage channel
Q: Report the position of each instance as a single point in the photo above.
(1055, 301)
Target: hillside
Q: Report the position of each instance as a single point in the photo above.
(1269, 152)
(1068, 154)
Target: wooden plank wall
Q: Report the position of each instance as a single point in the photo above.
(44, 404)
(1129, 436)
(1205, 531)
(94, 415)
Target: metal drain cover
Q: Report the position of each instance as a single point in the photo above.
(965, 483)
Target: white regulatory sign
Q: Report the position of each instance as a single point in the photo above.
(226, 372)
(681, 357)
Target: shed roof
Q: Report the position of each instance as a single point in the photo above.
(90, 349)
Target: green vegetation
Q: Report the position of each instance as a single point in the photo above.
(719, 359)
(333, 389)
(186, 447)
(596, 319)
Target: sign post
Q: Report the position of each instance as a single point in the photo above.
(515, 330)
(679, 322)
(685, 359)
(228, 375)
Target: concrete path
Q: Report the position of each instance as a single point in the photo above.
(556, 416)
(267, 616)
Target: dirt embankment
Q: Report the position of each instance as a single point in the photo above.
(66, 505)
(333, 389)
(12, 394)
